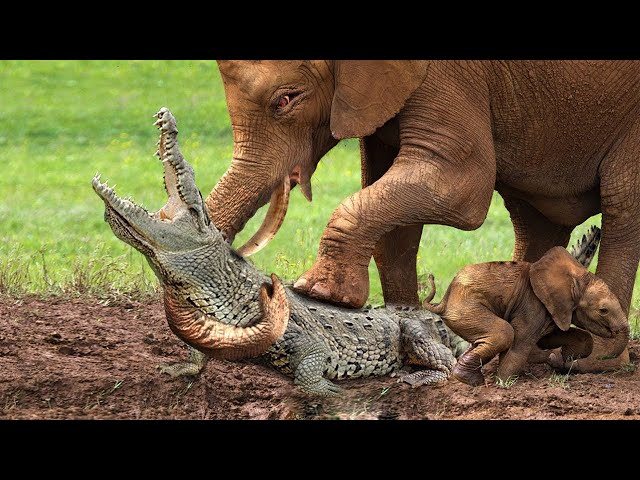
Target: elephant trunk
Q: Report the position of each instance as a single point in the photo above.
(614, 335)
(237, 197)
(224, 341)
(620, 339)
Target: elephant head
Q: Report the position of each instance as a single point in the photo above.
(286, 115)
(572, 294)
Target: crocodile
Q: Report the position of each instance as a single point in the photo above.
(219, 304)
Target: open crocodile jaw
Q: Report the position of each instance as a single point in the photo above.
(158, 231)
(133, 224)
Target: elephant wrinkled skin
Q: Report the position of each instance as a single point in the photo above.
(559, 140)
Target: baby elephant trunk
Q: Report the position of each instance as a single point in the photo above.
(620, 339)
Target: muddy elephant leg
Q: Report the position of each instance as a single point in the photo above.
(527, 328)
(538, 355)
(534, 233)
(620, 243)
(575, 343)
(489, 336)
(413, 192)
(559, 349)
(395, 253)
(444, 174)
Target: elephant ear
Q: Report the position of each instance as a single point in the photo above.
(555, 279)
(370, 92)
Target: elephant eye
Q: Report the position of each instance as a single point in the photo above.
(603, 310)
(283, 101)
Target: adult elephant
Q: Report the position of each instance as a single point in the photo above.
(559, 140)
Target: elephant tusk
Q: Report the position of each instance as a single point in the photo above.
(298, 178)
(272, 222)
(306, 190)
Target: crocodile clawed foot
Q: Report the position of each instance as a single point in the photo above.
(323, 387)
(193, 366)
(179, 369)
(433, 378)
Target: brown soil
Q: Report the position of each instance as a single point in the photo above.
(82, 359)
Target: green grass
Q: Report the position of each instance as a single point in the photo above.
(507, 383)
(61, 121)
(559, 380)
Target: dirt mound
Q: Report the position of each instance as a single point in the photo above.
(63, 358)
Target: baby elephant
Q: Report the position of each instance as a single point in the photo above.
(516, 309)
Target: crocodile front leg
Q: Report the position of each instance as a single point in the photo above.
(423, 350)
(309, 372)
(196, 361)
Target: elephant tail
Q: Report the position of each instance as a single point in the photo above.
(438, 308)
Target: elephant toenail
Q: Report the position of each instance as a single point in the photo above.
(320, 291)
(301, 283)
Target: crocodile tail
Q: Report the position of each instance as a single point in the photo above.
(437, 308)
(584, 250)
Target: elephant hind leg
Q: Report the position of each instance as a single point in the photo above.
(534, 233)
(489, 336)
(396, 251)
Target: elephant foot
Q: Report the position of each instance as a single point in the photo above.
(556, 361)
(468, 369)
(343, 285)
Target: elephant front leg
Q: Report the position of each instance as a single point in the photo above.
(575, 343)
(414, 191)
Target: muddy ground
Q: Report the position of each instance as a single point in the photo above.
(64, 358)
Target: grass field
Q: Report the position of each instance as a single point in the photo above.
(61, 121)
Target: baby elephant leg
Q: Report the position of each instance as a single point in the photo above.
(576, 343)
(488, 334)
(426, 352)
(527, 332)
(514, 360)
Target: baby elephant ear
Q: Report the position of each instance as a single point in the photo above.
(554, 279)
(370, 92)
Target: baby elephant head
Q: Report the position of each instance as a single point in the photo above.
(565, 287)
